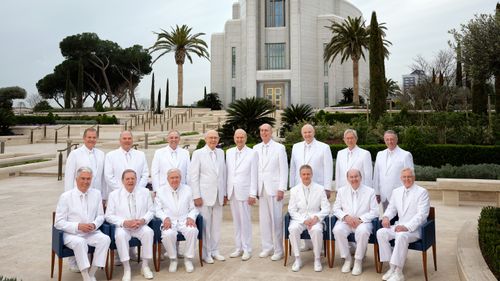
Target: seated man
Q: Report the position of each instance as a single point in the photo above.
(130, 209)
(355, 207)
(411, 203)
(308, 207)
(79, 214)
(175, 207)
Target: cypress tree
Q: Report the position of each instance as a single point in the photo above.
(152, 98)
(205, 93)
(158, 108)
(166, 96)
(378, 91)
(79, 86)
(458, 74)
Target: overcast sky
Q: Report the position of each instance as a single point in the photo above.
(30, 32)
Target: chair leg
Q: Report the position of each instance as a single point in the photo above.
(52, 261)
(285, 246)
(200, 251)
(324, 246)
(111, 264)
(106, 266)
(327, 251)
(377, 258)
(155, 256)
(434, 256)
(138, 254)
(424, 260)
(332, 253)
(91, 258)
(60, 262)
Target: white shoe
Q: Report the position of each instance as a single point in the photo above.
(246, 256)
(147, 273)
(264, 254)
(117, 261)
(188, 264)
(347, 266)
(317, 266)
(236, 254)
(219, 257)
(208, 260)
(126, 276)
(358, 267)
(173, 265)
(296, 265)
(397, 276)
(388, 274)
(74, 268)
(277, 257)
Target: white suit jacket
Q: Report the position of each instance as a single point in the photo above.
(415, 209)
(302, 208)
(167, 208)
(361, 160)
(319, 158)
(241, 172)
(118, 209)
(386, 176)
(206, 178)
(116, 163)
(163, 161)
(272, 170)
(70, 211)
(366, 204)
(82, 157)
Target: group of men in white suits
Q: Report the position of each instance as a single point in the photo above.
(210, 180)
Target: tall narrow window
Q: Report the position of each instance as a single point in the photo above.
(325, 63)
(275, 13)
(275, 56)
(233, 94)
(325, 92)
(233, 62)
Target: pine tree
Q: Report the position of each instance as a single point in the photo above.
(166, 96)
(152, 98)
(378, 91)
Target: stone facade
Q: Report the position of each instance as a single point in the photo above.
(274, 49)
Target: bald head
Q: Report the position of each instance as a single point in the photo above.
(266, 132)
(307, 133)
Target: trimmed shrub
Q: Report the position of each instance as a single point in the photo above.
(481, 171)
(489, 238)
(42, 106)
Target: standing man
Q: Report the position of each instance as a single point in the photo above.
(308, 207)
(175, 208)
(388, 166)
(410, 203)
(130, 209)
(241, 163)
(85, 156)
(79, 214)
(122, 159)
(271, 186)
(355, 207)
(207, 178)
(171, 156)
(352, 157)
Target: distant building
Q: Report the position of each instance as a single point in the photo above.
(412, 79)
(274, 49)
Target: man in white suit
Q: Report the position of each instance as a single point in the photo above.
(85, 156)
(175, 207)
(207, 178)
(122, 159)
(79, 214)
(171, 156)
(355, 207)
(272, 182)
(308, 207)
(130, 209)
(352, 157)
(411, 203)
(241, 163)
(388, 166)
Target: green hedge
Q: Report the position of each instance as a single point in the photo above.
(489, 238)
(479, 171)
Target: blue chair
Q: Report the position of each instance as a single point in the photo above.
(371, 240)
(427, 239)
(305, 235)
(59, 249)
(180, 237)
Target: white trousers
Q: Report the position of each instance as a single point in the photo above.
(144, 234)
(242, 221)
(397, 256)
(169, 240)
(79, 244)
(316, 232)
(361, 234)
(212, 220)
(271, 223)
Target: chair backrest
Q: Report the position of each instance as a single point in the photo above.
(431, 215)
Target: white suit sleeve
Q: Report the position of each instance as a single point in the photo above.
(69, 172)
(194, 175)
(337, 172)
(327, 168)
(100, 214)
(337, 206)
(325, 207)
(155, 170)
(376, 179)
(61, 220)
(283, 168)
(293, 167)
(110, 214)
(150, 208)
(145, 172)
(254, 173)
(373, 212)
(112, 182)
(293, 208)
(420, 217)
(367, 169)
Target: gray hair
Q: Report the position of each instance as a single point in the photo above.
(89, 130)
(174, 170)
(128, 171)
(351, 131)
(83, 170)
(173, 131)
(266, 125)
(354, 170)
(126, 132)
(391, 132)
(306, 167)
(412, 172)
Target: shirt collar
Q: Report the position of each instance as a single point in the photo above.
(172, 150)
(89, 151)
(125, 152)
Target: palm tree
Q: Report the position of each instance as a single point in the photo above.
(184, 44)
(295, 114)
(349, 40)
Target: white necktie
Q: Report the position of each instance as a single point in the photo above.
(405, 198)
(238, 156)
(307, 150)
(131, 205)
(128, 156)
(213, 156)
(306, 194)
(85, 206)
(354, 202)
(174, 156)
(349, 158)
(175, 195)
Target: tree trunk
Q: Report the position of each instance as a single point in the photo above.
(180, 80)
(355, 79)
